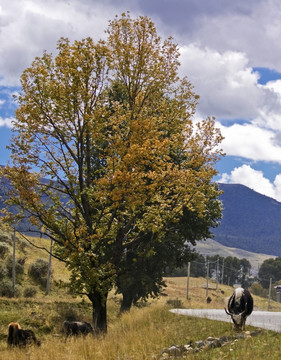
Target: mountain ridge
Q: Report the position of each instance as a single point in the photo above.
(251, 221)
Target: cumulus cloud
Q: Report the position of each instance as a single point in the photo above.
(252, 28)
(270, 109)
(184, 17)
(250, 142)
(255, 180)
(27, 28)
(227, 85)
(6, 122)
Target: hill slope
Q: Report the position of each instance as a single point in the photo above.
(211, 247)
(251, 221)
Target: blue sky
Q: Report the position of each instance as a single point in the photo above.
(230, 51)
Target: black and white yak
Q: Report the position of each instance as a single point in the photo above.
(240, 306)
(77, 328)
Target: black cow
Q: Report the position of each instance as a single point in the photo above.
(77, 328)
(240, 306)
(19, 337)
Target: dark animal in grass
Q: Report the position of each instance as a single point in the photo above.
(208, 300)
(77, 328)
(240, 306)
(19, 337)
(13, 329)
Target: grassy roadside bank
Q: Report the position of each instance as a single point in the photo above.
(140, 334)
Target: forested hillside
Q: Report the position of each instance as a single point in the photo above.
(251, 221)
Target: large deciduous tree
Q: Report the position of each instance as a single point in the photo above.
(110, 126)
(141, 277)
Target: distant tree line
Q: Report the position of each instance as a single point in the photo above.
(227, 270)
(231, 270)
(270, 269)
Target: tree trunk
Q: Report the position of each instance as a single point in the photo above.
(126, 303)
(99, 312)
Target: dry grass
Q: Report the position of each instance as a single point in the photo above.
(219, 294)
(140, 334)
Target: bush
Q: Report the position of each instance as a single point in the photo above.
(5, 239)
(175, 303)
(29, 292)
(3, 271)
(176, 272)
(38, 271)
(258, 290)
(6, 289)
(19, 267)
(22, 246)
(4, 250)
(68, 313)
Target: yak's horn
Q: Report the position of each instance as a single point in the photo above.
(228, 313)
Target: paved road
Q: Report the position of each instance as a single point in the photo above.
(262, 319)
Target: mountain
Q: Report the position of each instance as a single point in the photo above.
(251, 221)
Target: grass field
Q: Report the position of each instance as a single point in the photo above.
(140, 334)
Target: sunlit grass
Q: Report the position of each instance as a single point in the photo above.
(140, 334)
(143, 333)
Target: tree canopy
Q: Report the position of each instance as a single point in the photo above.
(110, 127)
(270, 268)
(235, 271)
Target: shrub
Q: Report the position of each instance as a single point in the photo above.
(68, 313)
(22, 246)
(38, 271)
(175, 303)
(22, 261)
(29, 292)
(3, 271)
(19, 267)
(258, 290)
(6, 289)
(4, 249)
(5, 239)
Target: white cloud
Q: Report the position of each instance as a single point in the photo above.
(6, 122)
(28, 27)
(251, 142)
(270, 109)
(227, 85)
(252, 28)
(255, 180)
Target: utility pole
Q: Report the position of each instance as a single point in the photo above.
(269, 294)
(14, 263)
(217, 274)
(207, 287)
(188, 276)
(49, 268)
(222, 271)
